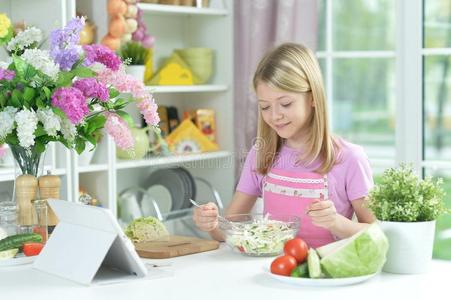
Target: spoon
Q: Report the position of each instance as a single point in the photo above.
(221, 218)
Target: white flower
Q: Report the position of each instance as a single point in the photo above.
(25, 39)
(41, 60)
(68, 130)
(50, 120)
(7, 121)
(4, 65)
(27, 122)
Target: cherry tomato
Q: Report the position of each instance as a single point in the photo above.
(283, 265)
(32, 249)
(296, 248)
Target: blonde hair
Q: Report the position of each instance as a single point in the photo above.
(294, 68)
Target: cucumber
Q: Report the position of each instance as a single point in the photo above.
(17, 241)
(314, 267)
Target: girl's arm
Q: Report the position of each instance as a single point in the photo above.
(241, 204)
(344, 227)
(323, 214)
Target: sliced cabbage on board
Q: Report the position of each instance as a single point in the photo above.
(146, 229)
(362, 254)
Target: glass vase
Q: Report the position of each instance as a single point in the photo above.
(28, 166)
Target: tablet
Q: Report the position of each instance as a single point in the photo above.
(88, 246)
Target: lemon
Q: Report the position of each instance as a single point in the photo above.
(8, 253)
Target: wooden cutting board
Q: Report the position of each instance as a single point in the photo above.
(176, 246)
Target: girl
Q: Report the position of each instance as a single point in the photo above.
(297, 166)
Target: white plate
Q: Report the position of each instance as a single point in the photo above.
(319, 281)
(161, 195)
(19, 259)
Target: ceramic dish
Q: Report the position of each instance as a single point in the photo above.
(172, 181)
(19, 259)
(190, 186)
(161, 195)
(319, 281)
(128, 203)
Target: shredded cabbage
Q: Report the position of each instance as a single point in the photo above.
(261, 237)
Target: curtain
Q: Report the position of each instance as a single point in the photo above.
(259, 26)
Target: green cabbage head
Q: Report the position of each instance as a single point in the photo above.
(362, 254)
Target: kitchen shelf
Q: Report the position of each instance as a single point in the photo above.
(92, 168)
(160, 9)
(170, 160)
(167, 89)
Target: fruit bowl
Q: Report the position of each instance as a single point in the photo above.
(259, 234)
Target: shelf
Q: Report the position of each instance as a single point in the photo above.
(92, 168)
(167, 89)
(169, 160)
(7, 174)
(160, 9)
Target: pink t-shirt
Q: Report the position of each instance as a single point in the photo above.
(350, 179)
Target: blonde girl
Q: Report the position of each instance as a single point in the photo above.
(297, 166)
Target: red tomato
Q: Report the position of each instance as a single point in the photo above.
(32, 249)
(283, 265)
(296, 248)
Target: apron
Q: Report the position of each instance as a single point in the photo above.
(290, 193)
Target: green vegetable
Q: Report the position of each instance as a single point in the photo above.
(314, 267)
(146, 229)
(7, 254)
(134, 52)
(362, 254)
(300, 271)
(17, 241)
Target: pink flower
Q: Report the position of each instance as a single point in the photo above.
(7, 74)
(72, 102)
(103, 55)
(91, 88)
(148, 109)
(2, 151)
(118, 129)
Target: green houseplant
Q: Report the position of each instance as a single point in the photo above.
(136, 56)
(407, 207)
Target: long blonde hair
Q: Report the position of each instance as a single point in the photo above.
(294, 68)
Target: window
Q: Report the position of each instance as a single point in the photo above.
(387, 69)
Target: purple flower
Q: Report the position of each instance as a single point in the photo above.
(72, 102)
(7, 74)
(101, 54)
(64, 47)
(91, 88)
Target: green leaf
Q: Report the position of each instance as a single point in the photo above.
(65, 78)
(20, 66)
(126, 117)
(120, 104)
(39, 145)
(40, 131)
(95, 123)
(2, 100)
(83, 72)
(113, 93)
(16, 98)
(48, 92)
(59, 112)
(12, 139)
(29, 95)
(92, 139)
(40, 102)
(79, 145)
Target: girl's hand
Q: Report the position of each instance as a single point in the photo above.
(323, 213)
(206, 217)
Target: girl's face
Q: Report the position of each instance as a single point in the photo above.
(285, 112)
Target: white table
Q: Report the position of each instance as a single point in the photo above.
(222, 274)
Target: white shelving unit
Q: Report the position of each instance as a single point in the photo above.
(174, 27)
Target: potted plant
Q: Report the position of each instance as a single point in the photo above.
(136, 56)
(407, 207)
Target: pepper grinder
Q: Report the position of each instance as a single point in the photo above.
(49, 188)
(26, 187)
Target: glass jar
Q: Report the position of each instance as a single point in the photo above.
(40, 218)
(8, 216)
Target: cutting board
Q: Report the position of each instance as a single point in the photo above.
(176, 246)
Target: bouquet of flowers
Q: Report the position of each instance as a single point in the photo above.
(67, 94)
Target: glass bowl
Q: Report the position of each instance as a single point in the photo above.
(259, 234)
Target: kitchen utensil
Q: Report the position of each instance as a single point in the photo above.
(175, 246)
(221, 218)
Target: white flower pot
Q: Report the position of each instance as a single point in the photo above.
(85, 157)
(137, 71)
(411, 245)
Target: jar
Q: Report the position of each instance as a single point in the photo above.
(40, 218)
(8, 216)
